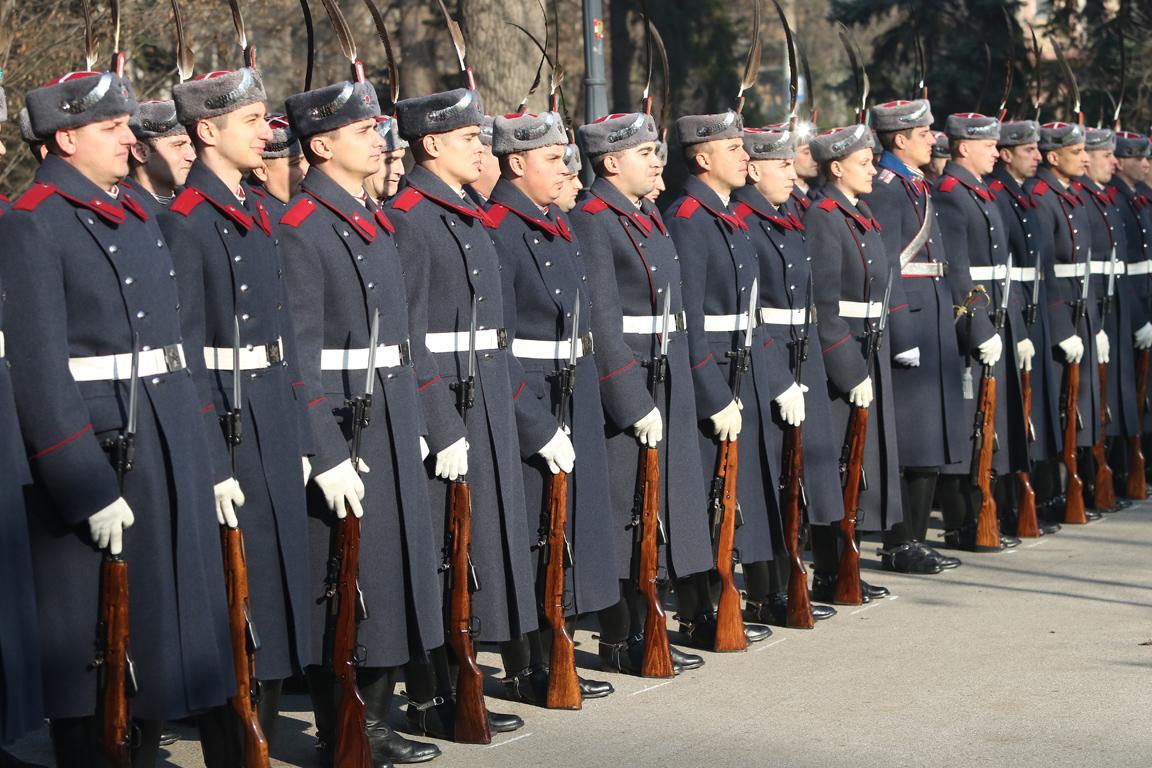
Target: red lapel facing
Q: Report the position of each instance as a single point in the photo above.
(265, 225)
(383, 221)
(562, 228)
(131, 204)
(643, 222)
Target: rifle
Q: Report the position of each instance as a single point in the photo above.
(799, 614)
(648, 531)
(1027, 525)
(848, 586)
(471, 726)
(1137, 486)
(116, 673)
(725, 508)
(563, 684)
(245, 641)
(346, 603)
(1105, 496)
(1070, 416)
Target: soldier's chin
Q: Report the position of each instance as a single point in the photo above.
(119, 166)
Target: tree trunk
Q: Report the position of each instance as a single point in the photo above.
(621, 54)
(502, 57)
(417, 49)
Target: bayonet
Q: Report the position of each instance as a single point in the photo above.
(1002, 312)
(876, 333)
(802, 342)
(660, 365)
(744, 354)
(466, 390)
(374, 340)
(568, 375)
(1106, 305)
(1034, 309)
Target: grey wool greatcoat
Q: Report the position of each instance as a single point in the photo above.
(341, 266)
(784, 269)
(630, 260)
(83, 272)
(1136, 213)
(931, 421)
(1110, 237)
(150, 204)
(448, 258)
(229, 268)
(1144, 287)
(1066, 233)
(976, 240)
(542, 271)
(850, 264)
(719, 265)
(1022, 223)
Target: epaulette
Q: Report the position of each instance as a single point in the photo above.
(407, 199)
(1040, 188)
(4, 198)
(595, 205)
(496, 215)
(949, 184)
(689, 207)
(886, 176)
(186, 201)
(828, 204)
(297, 213)
(35, 195)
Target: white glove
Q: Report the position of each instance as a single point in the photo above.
(342, 484)
(452, 462)
(107, 526)
(1102, 347)
(424, 449)
(909, 358)
(791, 402)
(726, 424)
(307, 468)
(1073, 348)
(861, 394)
(1025, 351)
(991, 350)
(559, 453)
(228, 497)
(1144, 337)
(650, 429)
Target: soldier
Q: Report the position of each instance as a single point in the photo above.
(86, 270)
(480, 189)
(658, 186)
(161, 157)
(851, 267)
(448, 258)
(224, 247)
(717, 280)
(542, 278)
(385, 183)
(976, 240)
(283, 169)
(631, 261)
(1019, 158)
(806, 188)
(572, 186)
(940, 156)
(926, 364)
(785, 266)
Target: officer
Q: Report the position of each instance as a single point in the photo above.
(284, 167)
(850, 269)
(926, 364)
(86, 271)
(717, 283)
(160, 158)
(385, 183)
(785, 268)
(542, 278)
(448, 258)
(631, 261)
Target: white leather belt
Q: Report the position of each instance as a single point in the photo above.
(1103, 268)
(153, 362)
(864, 310)
(1, 344)
(489, 338)
(645, 324)
(1069, 270)
(1024, 275)
(774, 316)
(924, 269)
(534, 349)
(721, 323)
(387, 356)
(997, 272)
(1140, 268)
(263, 356)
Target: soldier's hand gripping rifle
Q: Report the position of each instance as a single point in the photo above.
(848, 586)
(799, 613)
(115, 672)
(563, 684)
(1105, 493)
(648, 531)
(1070, 413)
(1027, 524)
(471, 712)
(984, 439)
(245, 640)
(726, 509)
(345, 601)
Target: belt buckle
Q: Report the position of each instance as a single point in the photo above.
(585, 343)
(502, 338)
(275, 356)
(172, 359)
(681, 322)
(944, 269)
(406, 353)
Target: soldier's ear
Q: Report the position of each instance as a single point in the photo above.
(754, 172)
(431, 144)
(140, 150)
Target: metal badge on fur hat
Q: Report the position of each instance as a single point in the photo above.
(1018, 133)
(439, 113)
(156, 120)
(78, 99)
(777, 143)
(697, 129)
(840, 142)
(1129, 144)
(486, 130)
(521, 133)
(284, 143)
(388, 129)
(572, 158)
(331, 107)
(1054, 136)
(940, 147)
(1100, 140)
(901, 115)
(217, 93)
(972, 126)
(616, 133)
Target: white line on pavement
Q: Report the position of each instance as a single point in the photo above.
(649, 688)
(766, 647)
(514, 738)
(1042, 541)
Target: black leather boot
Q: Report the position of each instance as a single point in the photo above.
(388, 746)
(436, 718)
(964, 538)
(774, 611)
(221, 739)
(77, 742)
(824, 589)
(322, 690)
(701, 633)
(945, 560)
(529, 685)
(627, 657)
(908, 558)
(268, 708)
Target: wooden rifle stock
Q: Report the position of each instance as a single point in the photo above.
(1137, 485)
(563, 684)
(987, 526)
(244, 646)
(799, 614)
(1105, 496)
(352, 748)
(848, 587)
(1074, 512)
(471, 712)
(729, 622)
(1027, 526)
(116, 677)
(657, 655)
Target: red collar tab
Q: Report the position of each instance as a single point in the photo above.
(407, 199)
(865, 224)
(108, 209)
(734, 222)
(464, 210)
(361, 224)
(498, 211)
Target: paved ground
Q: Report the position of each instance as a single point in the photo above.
(1039, 656)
